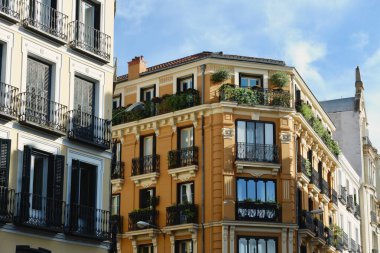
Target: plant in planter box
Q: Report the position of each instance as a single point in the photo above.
(220, 76)
(280, 79)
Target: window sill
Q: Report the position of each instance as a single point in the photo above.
(257, 169)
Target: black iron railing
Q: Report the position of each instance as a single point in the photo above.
(314, 178)
(91, 40)
(258, 211)
(146, 164)
(8, 99)
(343, 195)
(267, 97)
(373, 217)
(39, 212)
(117, 170)
(257, 152)
(7, 202)
(42, 112)
(148, 215)
(324, 186)
(117, 223)
(183, 157)
(306, 221)
(354, 247)
(357, 211)
(345, 240)
(304, 166)
(87, 221)
(90, 129)
(350, 203)
(45, 19)
(339, 242)
(181, 214)
(319, 229)
(329, 236)
(334, 197)
(10, 8)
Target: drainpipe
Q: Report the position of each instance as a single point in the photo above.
(203, 67)
(296, 197)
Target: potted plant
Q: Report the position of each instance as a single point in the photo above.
(220, 76)
(280, 79)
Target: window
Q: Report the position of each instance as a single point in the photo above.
(146, 94)
(88, 14)
(186, 137)
(84, 96)
(115, 208)
(116, 102)
(256, 190)
(186, 193)
(42, 12)
(147, 197)
(250, 81)
(145, 249)
(83, 184)
(184, 246)
(257, 245)
(5, 152)
(148, 145)
(255, 141)
(1, 62)
(185, 83)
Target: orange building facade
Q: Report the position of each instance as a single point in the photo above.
(203, 164)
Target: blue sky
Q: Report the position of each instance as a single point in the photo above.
(324, 39)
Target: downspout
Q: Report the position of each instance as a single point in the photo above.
(203, 67)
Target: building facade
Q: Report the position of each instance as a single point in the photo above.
(56, 81)
(211, 156)
(350, 118)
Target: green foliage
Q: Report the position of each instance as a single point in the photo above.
(280, 79)
(308, 167)
(220, 76)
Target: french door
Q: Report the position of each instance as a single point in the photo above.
(38, 186)
(87, 18)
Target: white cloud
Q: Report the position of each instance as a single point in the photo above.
(134, 10)
(359, 40)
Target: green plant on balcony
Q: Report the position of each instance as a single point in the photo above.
(308, 168)
(220, 76)
(337, 233)
(280, 79)
(281, 99)
(187, 209)
(241, 95)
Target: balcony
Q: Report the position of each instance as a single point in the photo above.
(148, 215)
(117, 170)
(375, 251)
(145, 170)
(183, 163)
(319, 229)
(350, 203)
(354, 247)
(8, 100)
(357, 211)
(116, 224)
(314, 182)
(343, 195)
(304, 170)
(42, 113)
(258, 211)
(345, 240)
(325, 191)
(45, 20)
(7, 207)
(90, 41)
(255, 97)
(373, 217)
(86, 221)
(10, 9)
(329, 237)
(181, 214)
(89, 129)
(158, 106)
(307, 222)
(39, 212)
(339, 243)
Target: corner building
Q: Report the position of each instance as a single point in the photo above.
(56, 76)
(199, 169)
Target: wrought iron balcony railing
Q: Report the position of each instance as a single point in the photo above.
(373, 217)
(8, 99)
(42, 112)
(354, 247)
(334, 197)
(146, 164)
(256, 96)
(10, 9)
(375, 251)
(39, 212)
(89, 129)
(339, 242)
(86, 221)
(315, 178)
(350, 203)
(306, 221)
(117, 170)
(7, 201)
(117, 224)
(45, 19)
(345, 240)
(90, 40)
(304, 166)
(148, 215)
(329, 236)
(343, 195)
(357, 211)
(183, 157)
(257, 152)
(325, 189)
(319, 229)
(181, 214)
(258, 211)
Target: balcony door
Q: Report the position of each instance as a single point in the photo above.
(38, 185)
(186, 138)
(42, 13)
(89, 16)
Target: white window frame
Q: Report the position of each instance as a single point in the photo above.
(6, 38)
(102, 12)
(185, 74)
(255, 72)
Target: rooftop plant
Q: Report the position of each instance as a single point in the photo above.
(280, 79)
(220, 76)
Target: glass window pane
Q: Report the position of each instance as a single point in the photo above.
(251, 190)
(271, 245)
(259, 133)
(241, 189)
(148, 146)
(252, 246)
(244, 82)
(261, 191)
(262, 247)
(241, 131)
(271, 191)
(268, 134)
(250, 132)
(243, 245)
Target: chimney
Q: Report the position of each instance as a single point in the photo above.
(135, 67)
(359, 88)
(358, 84)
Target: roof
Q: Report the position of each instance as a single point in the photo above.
(201, 56)
(339, 105)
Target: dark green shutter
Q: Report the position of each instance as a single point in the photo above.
(178, 85)
(75, 182)
(5, 147)
(23, 200)
(59, 172)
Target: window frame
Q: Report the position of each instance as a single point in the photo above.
(257, 238)
(183, 78)
(251, 76)
(147, 88)
(145, 245)
(255, 121)
(116, 99)
(256, 180)
(178, 242)
(192, 186)
(142, 198)
(50, 81)
(94, 93)
(142, 143)
(179, 134)
(116, 195)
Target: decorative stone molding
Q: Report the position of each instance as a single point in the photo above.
(324, 198)
(145, 180)
(183, 173)
(285, 137)
(117, 184)
(303, 180)
(257, 169)
(227, 133)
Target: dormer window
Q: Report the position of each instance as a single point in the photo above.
(250, 81)
(185, 83)
(148, 93)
